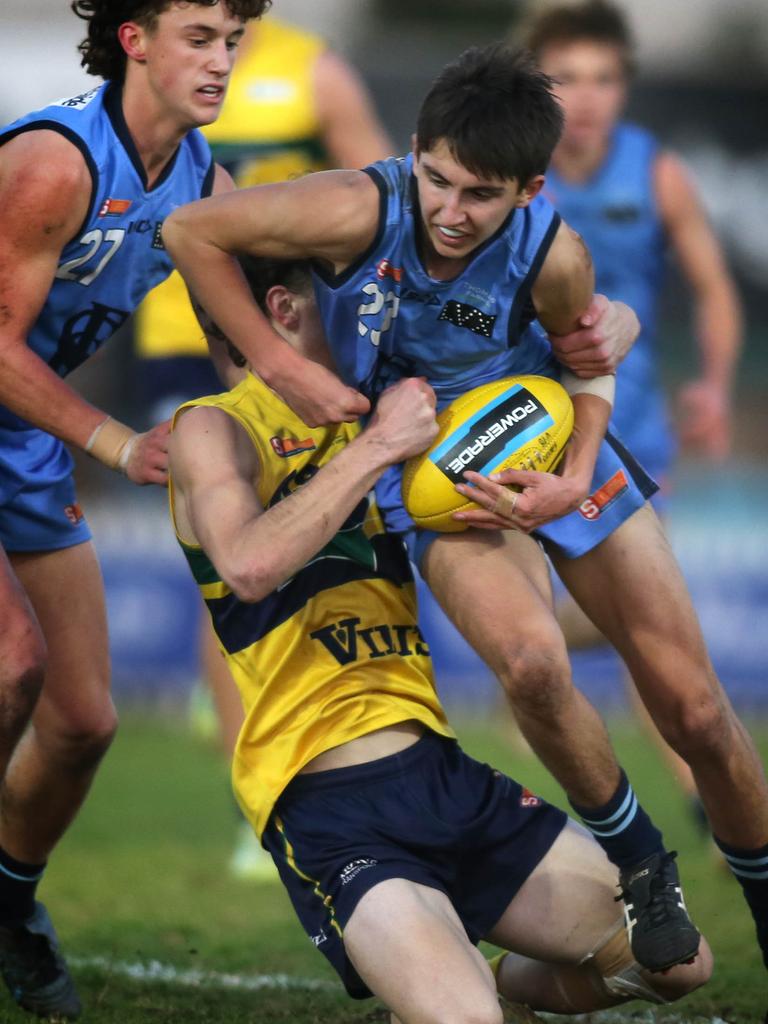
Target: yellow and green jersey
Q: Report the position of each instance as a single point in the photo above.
(335, 652)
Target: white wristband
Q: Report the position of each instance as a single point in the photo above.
(602, 387)
(112, 443)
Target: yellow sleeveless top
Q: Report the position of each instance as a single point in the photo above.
(268, 131)
(336, 651)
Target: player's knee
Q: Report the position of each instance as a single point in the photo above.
(622, 977)
(22, 666)
(81, 739)
(488, 1013)
(535, 676)
(698, 726)
(685, 978)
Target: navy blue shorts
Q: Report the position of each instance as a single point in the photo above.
(429, 814)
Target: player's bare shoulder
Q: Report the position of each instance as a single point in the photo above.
(207, 442)
(45, 185)
(568, 253)
(565, 282)
(346, 206)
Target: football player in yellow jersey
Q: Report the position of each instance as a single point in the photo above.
(293, 106)
(399, 852)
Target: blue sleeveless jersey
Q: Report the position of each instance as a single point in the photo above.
(114, 259)
(117, 256)
(615, 213)
(386, 318)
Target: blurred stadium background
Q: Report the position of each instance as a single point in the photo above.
(154, 852)
(703, 87)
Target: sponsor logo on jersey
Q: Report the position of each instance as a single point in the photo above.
(285, 447)
(272, 90)
(491, 435)
(622, 213)
(482, 298)
(353, 869)
(425, 298)
(461, 314)
(385, 269)
(529, 799)
(115, 207)
(157, 238)
(84, 332)
(346, 641)
(594, 506)
(319, 939)
(79, 101)
(73, 513)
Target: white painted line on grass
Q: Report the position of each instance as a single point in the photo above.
(154, 970)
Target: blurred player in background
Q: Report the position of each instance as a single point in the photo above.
(399, 852)
(293, 106)
(84, 187)
(631, 202)
(435, 265)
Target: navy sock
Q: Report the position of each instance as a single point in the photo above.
(622, 827)
(750, 868)
(18, 882)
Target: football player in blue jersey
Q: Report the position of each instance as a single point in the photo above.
(398, 851)
(84, 187)
(449, 264)
(632, 201)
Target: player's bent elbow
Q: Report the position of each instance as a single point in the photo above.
(251, 583)
(172, 231)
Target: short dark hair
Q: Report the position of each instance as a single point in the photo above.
(262, 273)
(101, 51)
(598, 21)
(496, 111)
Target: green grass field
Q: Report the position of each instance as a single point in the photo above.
(158, 932)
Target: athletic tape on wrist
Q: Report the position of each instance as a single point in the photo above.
(112, 443)
(603, 387)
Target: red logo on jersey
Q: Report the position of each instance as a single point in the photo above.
(73, 513)
(286, 446)
(594, 506)
(385, 269)
(528, 799)
(115, 207)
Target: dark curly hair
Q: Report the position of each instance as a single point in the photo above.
(101, 51)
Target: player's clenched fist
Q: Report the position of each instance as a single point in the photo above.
(147, 461)
(404, 419)
(606, 333)
(317, 396)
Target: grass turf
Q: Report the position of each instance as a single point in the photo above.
(142, 877)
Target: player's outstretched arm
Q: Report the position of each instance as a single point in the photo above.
(214, 467)
(705, 402)
(331, 216)
(45, 190)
